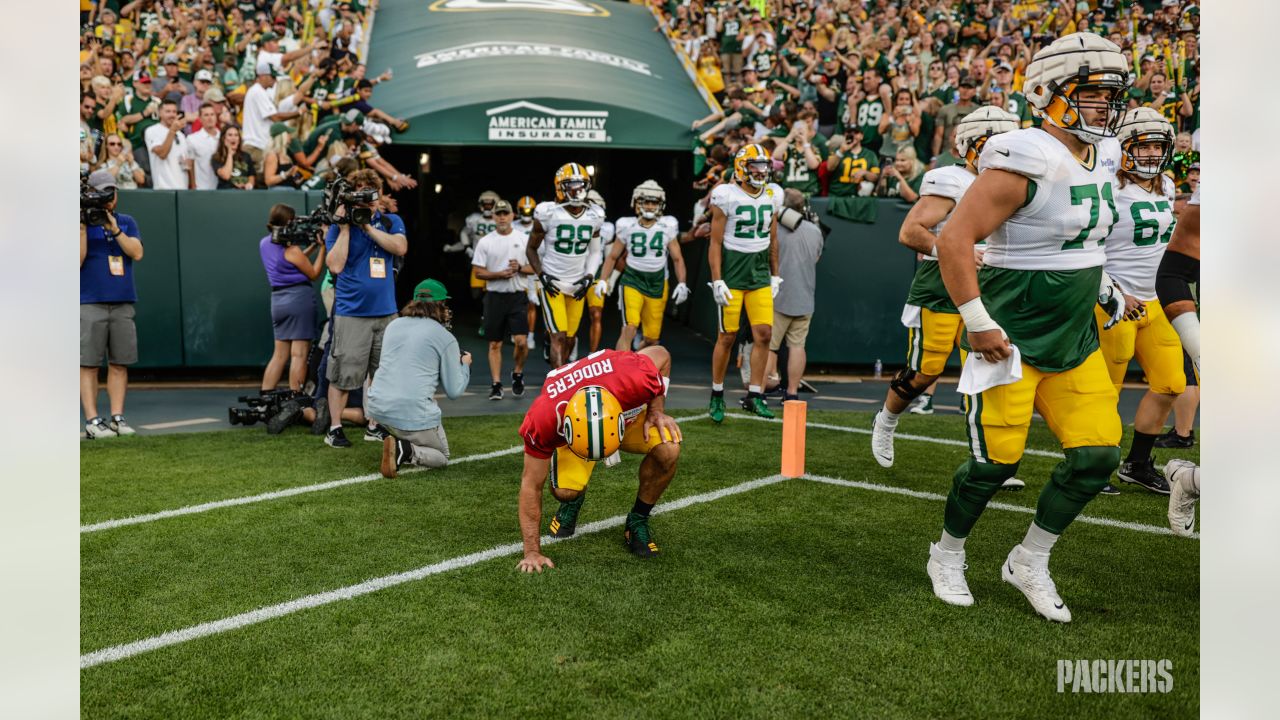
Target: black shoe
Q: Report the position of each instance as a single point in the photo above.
(288, 414)
(546, 350)
(788, 396)
(495, 392)
(377, 433)
(1144, 474)
(1109, 489)
(1172, 440)
(517, 384)
(565, 521)
(320, 425)
(335, 438)
(638, 538)
(395, 453)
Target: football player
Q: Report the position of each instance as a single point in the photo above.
(595, 303)
(1045, 200)
(588, 410)
(1179, 268)
(475, 226)
(565, 266)
(743, 260)
(933, 323)
(1184, 482)
(1135, 246)
(646, 241)
(524, 223)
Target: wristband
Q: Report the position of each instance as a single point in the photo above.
(933, 251)
(975, 316)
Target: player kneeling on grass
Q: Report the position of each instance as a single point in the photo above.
(418, 354)
(588, 410)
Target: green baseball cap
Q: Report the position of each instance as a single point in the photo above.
(431, 291)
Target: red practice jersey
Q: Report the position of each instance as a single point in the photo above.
(632, 378)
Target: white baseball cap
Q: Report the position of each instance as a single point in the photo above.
(204, 75)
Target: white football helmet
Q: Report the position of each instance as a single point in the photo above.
(1069, 64)
(650, 191)
(1139, 126)
(595, 197)
(972, 131)
(488, 199)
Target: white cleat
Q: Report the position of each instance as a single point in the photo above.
(882, 442)
(1012, 484)
(1184, 484)
(946, 570)
(1029, 572)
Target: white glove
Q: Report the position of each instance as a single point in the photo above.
(454, 247)
(680, 294)
(470, 251)
(1112, 301)
(775, 282)
(535, 297)
(721, 292)
(601, 288)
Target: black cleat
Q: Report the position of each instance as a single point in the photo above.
(517, 384)
(565, 521)
(1109, 489)
(638, 537)
(1144, 473)
(1172, 440)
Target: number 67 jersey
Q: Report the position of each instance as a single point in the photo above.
(748, 221)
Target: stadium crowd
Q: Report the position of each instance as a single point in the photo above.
(861, 97)
(241, 94)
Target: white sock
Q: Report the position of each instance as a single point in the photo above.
(1187, 325)
(717, 387)
(951, 543)
(1039, 540)
(889, 417)
(754, 389)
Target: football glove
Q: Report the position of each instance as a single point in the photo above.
(549, 285)
(1111, 300)
(601, 288)
(775, 283)
(680, 294)
(535, 297)
(721, 292)
(583, 285)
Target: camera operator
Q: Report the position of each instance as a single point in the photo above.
(361, 258)
(799, 247)
(109, 246)
(291, 268)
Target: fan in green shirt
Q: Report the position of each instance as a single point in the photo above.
(852, 165)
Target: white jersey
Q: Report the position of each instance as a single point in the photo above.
(494, 252)
(1139, 238)
(572, 244)
(524, 227)
(951, 182)
(475, 227)
(748, 218)
(646, 247)
(1071, 208)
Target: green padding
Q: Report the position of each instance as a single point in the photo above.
(159, 309)
(1074, 482)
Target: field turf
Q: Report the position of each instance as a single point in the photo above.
(782, 598)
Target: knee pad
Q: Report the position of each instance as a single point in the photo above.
(901, 384)
(977, 473)
(1089, 468)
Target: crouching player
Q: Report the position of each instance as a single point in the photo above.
(588, 410)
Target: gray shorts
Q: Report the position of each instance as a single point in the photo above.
(108, 329)
(357, 345)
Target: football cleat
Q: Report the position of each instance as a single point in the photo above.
(1184, 480)
(1029, 572)
(1109, 489)
(946, 570)
(716, 409)
(756, 405)
(1144, 474)
(565, 521)
(1012, 484)
(517, 384)
(1172, 440)
(922, 405)
(882, 441)
(638, 537)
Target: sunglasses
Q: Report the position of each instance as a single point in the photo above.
(114, 143)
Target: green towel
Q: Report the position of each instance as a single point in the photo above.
(857, 209)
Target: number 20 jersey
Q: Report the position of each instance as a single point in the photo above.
(748, 222)
(564, 249)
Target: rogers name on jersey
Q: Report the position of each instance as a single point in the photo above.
(577, 375)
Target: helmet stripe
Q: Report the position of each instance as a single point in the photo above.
(595, 424)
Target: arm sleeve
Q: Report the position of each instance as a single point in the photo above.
(397, 225)
(454, 376)
(595, 256)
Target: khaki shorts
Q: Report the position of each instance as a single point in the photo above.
(108, 329)
(357, 346)
(793, 328)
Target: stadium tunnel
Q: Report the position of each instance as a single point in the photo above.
(500, 94)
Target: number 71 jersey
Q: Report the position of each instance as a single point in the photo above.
(568, 238)
(748, 218)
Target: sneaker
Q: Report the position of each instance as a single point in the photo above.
(395, 452)
(716, 409)
(289, 412)
(320, 425)
(517, 384)
(495, 392)
(1172, 439)
(533, 342)
(1144, 474)
(1029, 572)
(565, 521)
(1013, 484)
(1109, 489)
(946, 570)
(882, 441)
(1184, 482)
(922, 405)
(121, 427)
(377, 433)
(97, 429)
(335, 438)
(638, 537)
(756, 405)
(573, 354)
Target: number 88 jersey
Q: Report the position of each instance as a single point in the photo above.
(568, 238)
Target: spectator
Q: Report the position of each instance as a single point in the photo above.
(202, 145)
(233, 166)
(731, 32)
(500, 260)
(222, 110)
(290, 271)
(259, 112)
(174, 86)
(364, 301)
(950, 115)
(106, 98)
(899, 128)
(139, 111)
(107, 297)
(279, 171)
(191, 103)
(802, 152)
(902, 177)
(854, 169)
(799, 247)
(167, 150)
(420, 355)
(88, 136)
(364, 92)
(117, 159)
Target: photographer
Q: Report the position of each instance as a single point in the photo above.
(420, 355)
(361, 256)
(291, 268)
(109, 245)
(799, 247)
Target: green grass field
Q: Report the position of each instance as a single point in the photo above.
(793, 598)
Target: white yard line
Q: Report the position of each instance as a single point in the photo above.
(235, 622)
(179, 423)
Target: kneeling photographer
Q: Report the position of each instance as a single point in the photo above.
(109, 246)
(293, 258)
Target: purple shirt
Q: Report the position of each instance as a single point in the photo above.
(280, 272)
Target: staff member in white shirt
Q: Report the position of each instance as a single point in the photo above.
(499, 257)
(259, 112)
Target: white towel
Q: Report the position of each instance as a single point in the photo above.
(979, 374)
(911, 316)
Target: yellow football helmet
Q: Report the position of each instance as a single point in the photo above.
(572, 185)
(752, 165)
(593, 424)
(524, 208)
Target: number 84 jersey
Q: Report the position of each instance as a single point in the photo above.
(748, 222)
(568, 239)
